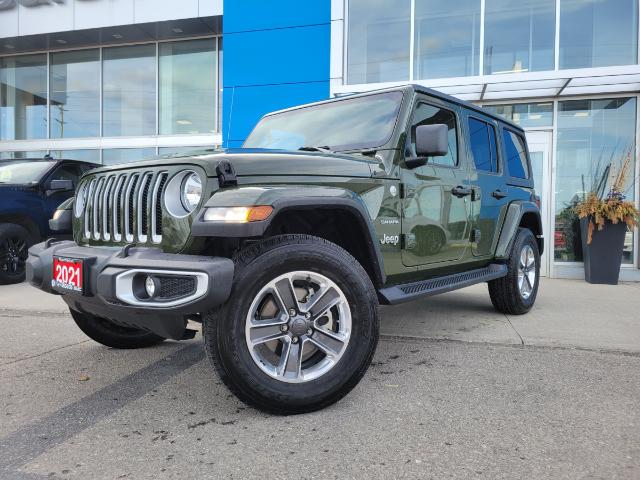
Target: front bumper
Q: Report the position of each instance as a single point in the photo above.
(109, 284)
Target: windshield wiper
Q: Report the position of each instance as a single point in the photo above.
(323, 148)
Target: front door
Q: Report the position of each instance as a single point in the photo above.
(434, 220)
(539, 150)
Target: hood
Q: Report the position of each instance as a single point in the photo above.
(261, 162)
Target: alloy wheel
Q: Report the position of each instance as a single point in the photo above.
(13, 255)
(526, 272)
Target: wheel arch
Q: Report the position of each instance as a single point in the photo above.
(335, 214)
(24, 221)
(519, 214)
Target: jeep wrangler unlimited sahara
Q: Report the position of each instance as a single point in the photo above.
(284, 249)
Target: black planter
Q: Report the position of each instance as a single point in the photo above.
(602, 258)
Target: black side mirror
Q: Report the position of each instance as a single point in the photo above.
(432, 140)
(60, 185)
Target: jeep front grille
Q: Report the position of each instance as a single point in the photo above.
(124, 207)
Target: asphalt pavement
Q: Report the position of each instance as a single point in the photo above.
(455, 391)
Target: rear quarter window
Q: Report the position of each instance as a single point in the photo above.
(515, 154)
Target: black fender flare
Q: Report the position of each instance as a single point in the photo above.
(289, 197)
(515, 212)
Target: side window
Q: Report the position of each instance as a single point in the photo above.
(516, 154)
(428, 115)
(482, 138)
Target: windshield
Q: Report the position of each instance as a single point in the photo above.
(23, 172)
(349, 124)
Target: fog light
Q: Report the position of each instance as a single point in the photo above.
(151, 285)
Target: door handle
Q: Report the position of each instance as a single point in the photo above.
(461, 191)
(498, 194)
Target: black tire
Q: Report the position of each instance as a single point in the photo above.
(15, 241)
(224, 328)
(505, 293)
(113, 335)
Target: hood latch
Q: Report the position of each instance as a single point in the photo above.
(226, 174)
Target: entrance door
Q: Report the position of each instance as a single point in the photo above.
(540, 152)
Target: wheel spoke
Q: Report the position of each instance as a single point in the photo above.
(329, 342)
(262, 331)
(290, 363)
(286, 295)
(531, 279)
(523, 258)
(325, 300)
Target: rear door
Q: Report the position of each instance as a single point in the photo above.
(434, 221)
(488, 179)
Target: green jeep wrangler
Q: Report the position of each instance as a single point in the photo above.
(284, 249)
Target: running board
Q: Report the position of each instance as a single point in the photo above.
(434, 286)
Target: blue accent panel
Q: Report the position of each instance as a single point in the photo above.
(276, 55)
(249, 104)
(246, 15)
(287, 55)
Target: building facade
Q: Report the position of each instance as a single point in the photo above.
(117, 80)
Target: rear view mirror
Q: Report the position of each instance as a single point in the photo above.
(61, 185)
(432, 140)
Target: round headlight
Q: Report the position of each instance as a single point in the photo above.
(191, 191)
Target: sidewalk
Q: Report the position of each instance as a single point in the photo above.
(568, 313)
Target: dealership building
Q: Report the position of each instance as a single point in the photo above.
(120, 80)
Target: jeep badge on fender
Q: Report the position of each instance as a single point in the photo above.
(283, 249)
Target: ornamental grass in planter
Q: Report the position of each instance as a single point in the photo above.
(604, 220)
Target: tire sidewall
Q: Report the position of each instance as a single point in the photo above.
(525, 237)
(251, 278)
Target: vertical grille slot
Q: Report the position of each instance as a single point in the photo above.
(129, 207)
(87, 211)
(96, 210)
(156, 207)
(106, 202)
(116, 207)
(142, 209)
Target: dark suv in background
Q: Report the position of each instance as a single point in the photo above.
(30, 191)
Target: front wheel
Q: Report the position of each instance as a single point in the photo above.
(113, 335)
(300, 327)
(15, 241)
(516, 292)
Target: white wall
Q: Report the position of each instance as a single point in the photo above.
(65, 15)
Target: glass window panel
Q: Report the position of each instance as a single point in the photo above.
(23, 97)
(446, 39)
(426, 114)
(378, 44)
(19, 155)
(516, 154)
(87, 155)
(525, 114)
(483, 145)
(519, 35)
(591, 134)
(129, 90)
(74, 83)
(598, 33)
(187, 86)
(126, 155)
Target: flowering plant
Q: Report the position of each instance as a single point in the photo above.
(613, 206)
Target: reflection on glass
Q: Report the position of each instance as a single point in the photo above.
(87, 155)
(525, 114)
(446, 39)
(591, 134)
(187, 86)
(598, 33)
(186, 150)
(74, 83)
(129, 90)
(378, 45)
(126, 155)
(19, 155)
(519, 35)
(23, 97)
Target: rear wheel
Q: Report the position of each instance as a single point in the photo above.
(15, 241)
(113, 335)
(300, 327)
(516, 293)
